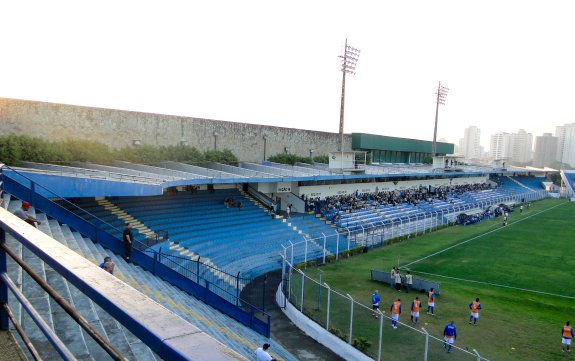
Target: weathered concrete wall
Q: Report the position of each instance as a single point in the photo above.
(118, 128)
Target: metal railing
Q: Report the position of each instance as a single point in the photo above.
(358, 234)
(37, 318)
(204, 281)
(377, 232)
(359, 325)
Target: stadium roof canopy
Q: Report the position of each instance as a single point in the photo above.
(85, 179)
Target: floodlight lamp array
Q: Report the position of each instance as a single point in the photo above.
(349, 59)
(442, 96)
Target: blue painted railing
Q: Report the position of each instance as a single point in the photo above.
(164, 332)
(160, 265)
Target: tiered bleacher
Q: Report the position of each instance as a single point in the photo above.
(221, 327)
(233, 239)
(407, 210)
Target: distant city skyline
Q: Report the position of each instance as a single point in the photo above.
(277, 64)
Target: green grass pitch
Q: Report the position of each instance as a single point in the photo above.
(534, 256)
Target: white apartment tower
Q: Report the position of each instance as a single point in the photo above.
(516, 147)
(566, 143)
(499, 146)
(470, 145)
(521, 147)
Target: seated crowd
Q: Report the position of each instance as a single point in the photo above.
(330, 206)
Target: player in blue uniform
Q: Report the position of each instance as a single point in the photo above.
(375, 299)
(449, 335)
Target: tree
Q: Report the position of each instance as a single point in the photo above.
(10, 151)
(221, 156)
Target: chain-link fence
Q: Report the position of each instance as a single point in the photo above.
(362, 327)
(326, 247)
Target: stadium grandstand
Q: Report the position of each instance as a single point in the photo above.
(203, 234)
(568, 179)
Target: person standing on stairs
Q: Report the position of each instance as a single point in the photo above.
(128, 238)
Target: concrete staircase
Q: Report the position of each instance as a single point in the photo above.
(121, 214)
(213, 322)
(192, 256)
(73, 336)
(520, 184)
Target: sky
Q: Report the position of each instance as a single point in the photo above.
(509, 65)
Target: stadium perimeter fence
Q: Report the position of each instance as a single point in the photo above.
(349, 319)
(323, 248)
(358, 325)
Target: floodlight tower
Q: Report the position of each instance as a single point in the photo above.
(441, 97)
(348, 64)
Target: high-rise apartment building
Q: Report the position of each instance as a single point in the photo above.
(499, 146)
(470, 146)
(566, 143)
(521, 147)
(545, 150)
(516, 147)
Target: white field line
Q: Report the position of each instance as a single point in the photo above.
(481, 235)
(497, 285)
(488, 283)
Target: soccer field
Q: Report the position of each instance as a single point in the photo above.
(523, 274)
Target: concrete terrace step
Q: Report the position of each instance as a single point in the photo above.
(211, 321)
(121, 214)
(79, 343)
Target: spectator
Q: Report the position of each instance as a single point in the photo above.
(108, 265)
(128, 239)
(408, 281)
(398, 281)
(392, 277)
(22, 213)
(262, 353)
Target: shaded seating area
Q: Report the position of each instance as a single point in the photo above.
(211, 225)
(221, 327)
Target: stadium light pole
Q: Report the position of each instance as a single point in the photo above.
(348, 64)
(441, 97)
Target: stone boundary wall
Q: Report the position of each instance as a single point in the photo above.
(119, 128)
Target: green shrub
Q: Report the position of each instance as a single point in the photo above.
(361, 343)
(222, 156)
(285, 158)
(10, 151)
(86, 151)
(321, 159)
(182, 153)
(338, 333)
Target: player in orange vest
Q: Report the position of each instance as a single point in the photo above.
(415, 307)
(567, 336)
(474, 306)
(431, 302)
(395, 312)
